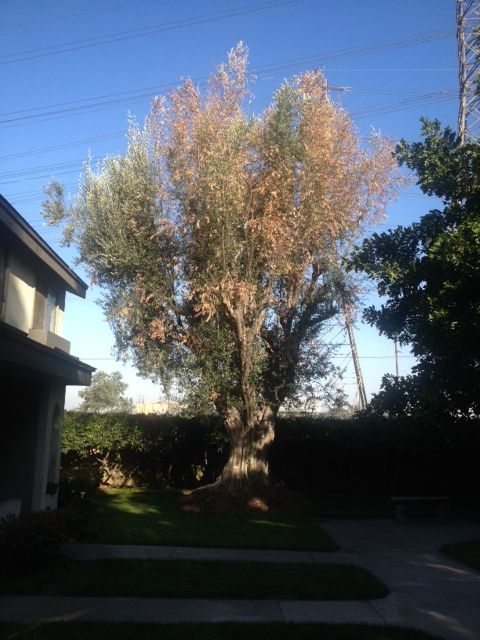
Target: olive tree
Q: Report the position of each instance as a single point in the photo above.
(218, 238)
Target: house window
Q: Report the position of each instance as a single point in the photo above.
(45, 311)
(50, 311)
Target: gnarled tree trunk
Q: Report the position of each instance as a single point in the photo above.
(247, 465)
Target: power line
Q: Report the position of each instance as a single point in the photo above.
(88, 105)
(77, 163)
(86, 43)
(347, 355)
(65, 145)
(118, 134)
(115, 8)
(34, 195)
(78, 109)
(400, 105)
(47, 174)
(359, 50)
(31, 171)
(372, 110)
(34, 173)
(150, 91)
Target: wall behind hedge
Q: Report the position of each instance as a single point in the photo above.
(367, 456)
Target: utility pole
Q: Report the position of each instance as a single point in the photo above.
(468, 44)
(362, 396)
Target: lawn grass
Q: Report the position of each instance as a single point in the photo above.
(194, 579)
(467, 553)
(136, 516)
(223, 631)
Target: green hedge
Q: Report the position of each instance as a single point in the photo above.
(378, 456)
(365, 455)
(140, 450)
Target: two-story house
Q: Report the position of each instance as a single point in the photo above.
(35, 364)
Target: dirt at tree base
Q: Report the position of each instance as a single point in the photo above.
(215, 498)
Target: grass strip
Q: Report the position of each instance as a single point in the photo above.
(195, 579)
(136, 516)
(467, 553)
(221, 631)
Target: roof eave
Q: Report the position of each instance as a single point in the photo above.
(10, 217)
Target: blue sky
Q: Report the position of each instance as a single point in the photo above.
(72, 71)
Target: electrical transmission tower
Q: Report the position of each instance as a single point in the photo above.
(468, 41)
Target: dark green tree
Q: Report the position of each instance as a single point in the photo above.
(429, 273)
(105, 394)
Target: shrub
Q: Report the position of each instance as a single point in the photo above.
(31, 538)
(77, 483)
(146, 451)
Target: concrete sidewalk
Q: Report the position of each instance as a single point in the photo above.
(139, 552)
(429, 591)
(160, 610)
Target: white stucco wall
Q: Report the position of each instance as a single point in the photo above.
(54, 397)
(20, 299)
(20, 294)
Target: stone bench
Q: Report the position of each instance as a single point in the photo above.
(401, 505)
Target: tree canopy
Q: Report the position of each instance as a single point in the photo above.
(105, 394)
(429, 273)
(218, 236)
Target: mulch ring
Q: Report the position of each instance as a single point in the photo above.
(215, 498)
